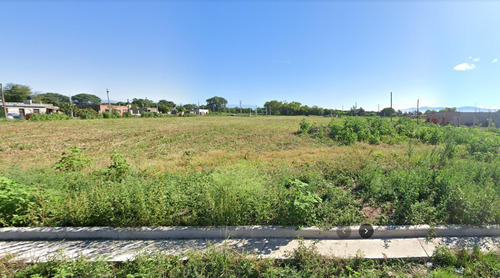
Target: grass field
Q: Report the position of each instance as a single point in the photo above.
(245, 171)
(166, 143)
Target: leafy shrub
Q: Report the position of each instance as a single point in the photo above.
(72, 160)
(358, 126)
(301, 203)
(484, 148)
(381, 126)
(304, 127)
(406, 127)
(15, 201)
(118, 168)
(116, 114)
(47, 117)
(89, 113)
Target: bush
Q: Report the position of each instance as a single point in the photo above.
(118, 168)
(73, 160)
(89, 113)
(47, 117)
(15, 201)
(301, 203)
(304, 127)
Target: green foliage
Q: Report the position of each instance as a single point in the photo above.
(89, 113)
(304, 261)
(304, 127)
(15, 201)
(72, 160)
(301, 203)
(52, 98)
(16, 92)
(388, 112)
(48, 117)
(217, 104)
(86, 99)
(118, 168)
(68, 108)
(62, 266)
(143, 103)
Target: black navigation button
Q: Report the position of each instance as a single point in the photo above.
(366, 231)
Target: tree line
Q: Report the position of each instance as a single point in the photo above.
(19, 93)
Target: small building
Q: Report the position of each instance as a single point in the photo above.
(484, 119)
(139, 111)
(21, 109)
(121, 109)
(201, 112)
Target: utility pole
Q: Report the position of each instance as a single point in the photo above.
(109, 103)
(3, 101)
(417, 110)
(71, 106)
(391, 107)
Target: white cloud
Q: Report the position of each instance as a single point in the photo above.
(465, 66)
(470, 57)
(476, 59)
(495, 60)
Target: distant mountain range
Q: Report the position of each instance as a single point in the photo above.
(459, 109)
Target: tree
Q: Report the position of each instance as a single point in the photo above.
(143, 103)
(86, 99)
(217, 103)
(449, 109)
(68, 108)
(166, 103)
(387, 112)
(16, 92)
(52, 98)
(165, 106)
(294, 108)
(273, 107)
(190, 107)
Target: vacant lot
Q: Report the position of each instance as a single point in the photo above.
(246, 170)
(171, 143)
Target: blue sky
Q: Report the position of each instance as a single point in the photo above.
(325, 53)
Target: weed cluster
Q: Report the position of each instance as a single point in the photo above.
(225, 262)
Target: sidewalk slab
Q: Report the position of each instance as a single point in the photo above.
(278, 248)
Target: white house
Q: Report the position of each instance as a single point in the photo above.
(201, 112)
(21, 109)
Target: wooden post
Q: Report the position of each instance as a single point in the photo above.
(3, 101)
(417, 111)
(109, 103)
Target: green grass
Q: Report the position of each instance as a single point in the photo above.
(205, 171)
(303, 262)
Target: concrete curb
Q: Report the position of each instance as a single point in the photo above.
(254, 232)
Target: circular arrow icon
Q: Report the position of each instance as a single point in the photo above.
(366, 231)
(344, 231)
